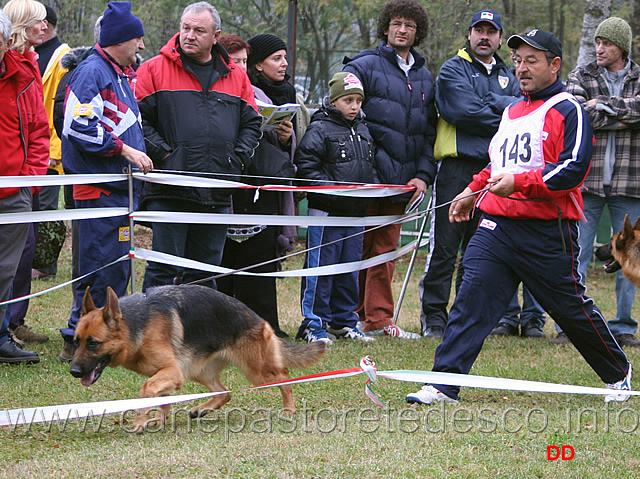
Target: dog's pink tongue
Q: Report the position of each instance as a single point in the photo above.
(88, 380)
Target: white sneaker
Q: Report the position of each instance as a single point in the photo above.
(391, 330)
(622, 385)
(396, 331)
(428, 395)
(350, 333)
(312, 335)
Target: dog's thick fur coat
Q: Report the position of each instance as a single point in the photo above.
(177, 333)
(623, 252)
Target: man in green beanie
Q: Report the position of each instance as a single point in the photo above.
(608, 89)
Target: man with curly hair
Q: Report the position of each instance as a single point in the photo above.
(399, 105)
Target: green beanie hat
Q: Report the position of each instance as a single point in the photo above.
(343, 84)
(617, 31)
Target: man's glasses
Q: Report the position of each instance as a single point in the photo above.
(407, 25)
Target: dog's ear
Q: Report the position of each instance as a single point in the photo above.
(627, 229)
(636, 226)
(111, 313)
(87, 302)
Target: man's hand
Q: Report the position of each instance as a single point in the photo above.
(138, 158)
(503, 185)
(421, 187)
(461, 207)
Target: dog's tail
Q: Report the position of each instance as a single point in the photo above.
(299, 355)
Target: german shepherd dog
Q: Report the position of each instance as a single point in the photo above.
(174, 333)
(622, 252)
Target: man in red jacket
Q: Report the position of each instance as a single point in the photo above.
(540, 157)
(24, 143)
(199, 114)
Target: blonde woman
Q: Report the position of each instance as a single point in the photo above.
(28, 29)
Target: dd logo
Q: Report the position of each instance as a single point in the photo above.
(565, 453)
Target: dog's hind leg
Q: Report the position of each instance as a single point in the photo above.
(162, 383)
(268, 373)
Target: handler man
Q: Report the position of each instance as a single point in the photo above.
(529, 230)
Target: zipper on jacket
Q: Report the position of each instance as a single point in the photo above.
(24, 141)
(357, 146)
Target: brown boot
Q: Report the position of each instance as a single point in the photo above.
(66, 356)
(24, 334)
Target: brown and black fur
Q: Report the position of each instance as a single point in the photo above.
(622, 252)
(187, 332)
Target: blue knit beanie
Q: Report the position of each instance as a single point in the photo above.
(119, 24)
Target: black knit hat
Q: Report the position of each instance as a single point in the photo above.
(262, 46)
(51, 18)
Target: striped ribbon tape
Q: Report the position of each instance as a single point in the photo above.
(13, 417)
(363, 191)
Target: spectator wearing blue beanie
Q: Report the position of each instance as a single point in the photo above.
(119, 24)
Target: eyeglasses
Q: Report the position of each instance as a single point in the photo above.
(529, 62)
(407, 25)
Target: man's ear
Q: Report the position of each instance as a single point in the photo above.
(556, 63)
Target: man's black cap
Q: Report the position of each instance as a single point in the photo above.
(538, 39)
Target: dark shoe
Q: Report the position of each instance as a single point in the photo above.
(280, 333)
(10, 352)
(67, 352)
(24, 334)
(561, 338)
(37, 274)
(627, 340)
(504, 329)
(433, 332)
(533, 330)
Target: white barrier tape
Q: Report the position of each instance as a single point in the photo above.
(149, 255)
(54, 215)
(269, 220)
(486, 382)
(62, 285)
(188, 180)
(54, 180)
(363, 191)
(14, 417)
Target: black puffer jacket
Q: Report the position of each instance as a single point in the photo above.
(332, 150)
(70, 61)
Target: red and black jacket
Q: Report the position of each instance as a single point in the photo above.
(214, 131)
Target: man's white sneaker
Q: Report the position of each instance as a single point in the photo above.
(390, 330)
(351, 333)
(622, 385)
(396, 331)
(429, 395)
(312, 335)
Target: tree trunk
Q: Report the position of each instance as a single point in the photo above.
(595, 12)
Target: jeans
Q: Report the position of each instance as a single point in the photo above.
(618, 206)
(198, 242)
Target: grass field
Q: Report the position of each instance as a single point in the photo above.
(336, 432)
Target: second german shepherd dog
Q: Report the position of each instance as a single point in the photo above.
(622, 252)
(175, 333)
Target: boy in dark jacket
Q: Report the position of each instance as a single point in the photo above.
(337, 147)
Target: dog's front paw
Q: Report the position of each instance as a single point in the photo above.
(144, 421)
